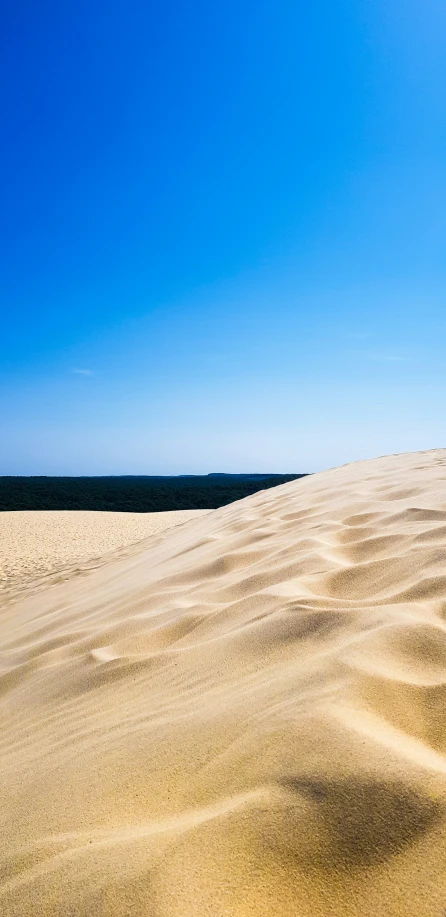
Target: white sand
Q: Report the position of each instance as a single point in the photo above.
(40, 544)
(243, 718)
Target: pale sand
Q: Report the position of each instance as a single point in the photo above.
(38, 545)
(243, 718)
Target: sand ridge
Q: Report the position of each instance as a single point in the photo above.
(246, 716)
(35, 547)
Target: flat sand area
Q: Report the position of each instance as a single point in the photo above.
(243, 716)
(40, 544)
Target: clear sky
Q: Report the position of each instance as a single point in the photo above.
(223, 234)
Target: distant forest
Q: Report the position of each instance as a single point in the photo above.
(133, 494)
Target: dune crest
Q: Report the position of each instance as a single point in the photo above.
(38, 546)
(244, 716)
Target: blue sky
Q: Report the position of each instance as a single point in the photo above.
(223, 234)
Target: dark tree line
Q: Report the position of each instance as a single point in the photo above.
(132, 494)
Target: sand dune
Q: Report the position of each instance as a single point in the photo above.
(35, 547)
(243, 716)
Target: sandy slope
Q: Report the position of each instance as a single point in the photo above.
(38, 545)
(245, 716)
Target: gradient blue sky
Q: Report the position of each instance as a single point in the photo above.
(223, 234)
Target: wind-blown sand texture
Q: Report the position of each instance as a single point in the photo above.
(245, 717)
(38, 545)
